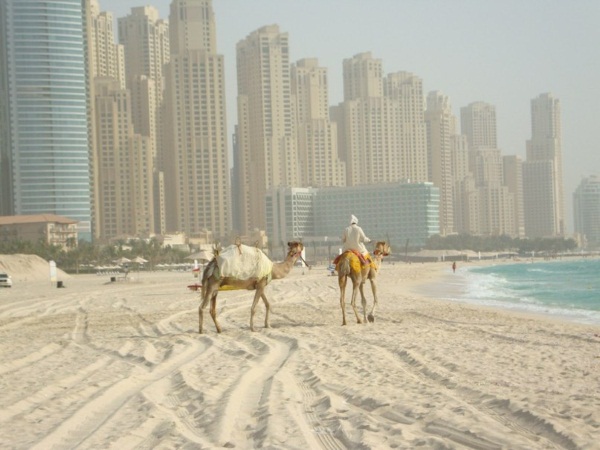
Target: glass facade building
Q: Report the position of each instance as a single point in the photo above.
(586, 210)
(402, 213)
(44, 141)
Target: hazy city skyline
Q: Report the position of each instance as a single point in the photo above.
(502, 53)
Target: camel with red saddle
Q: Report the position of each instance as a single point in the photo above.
(243, 267)
(349, 266)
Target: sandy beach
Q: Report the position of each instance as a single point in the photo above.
(120, 365)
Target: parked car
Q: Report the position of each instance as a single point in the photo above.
(5, 280)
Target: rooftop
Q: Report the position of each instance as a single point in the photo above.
(35, 218)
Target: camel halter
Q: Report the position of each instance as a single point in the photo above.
(302, 259)
(379, 252)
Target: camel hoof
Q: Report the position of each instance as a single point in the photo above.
(371, 318)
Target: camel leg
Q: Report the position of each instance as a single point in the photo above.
(213, 310)
(374, 289)
(205, 297)
(257, 296)
(260, 288)
(363, 301)
(355, 288)
(342, 282)
(268, 309)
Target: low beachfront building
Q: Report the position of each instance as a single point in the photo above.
(403, 213)
(49, 228)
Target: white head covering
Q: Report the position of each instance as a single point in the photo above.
(353, 219)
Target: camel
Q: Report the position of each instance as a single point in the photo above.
(253, 271)
(348, 266)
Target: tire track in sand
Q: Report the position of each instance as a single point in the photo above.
(523, 422)
(99, 409)
(292, 398)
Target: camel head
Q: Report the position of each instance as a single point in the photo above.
(382, 248)
(295, 249)
(216, 249)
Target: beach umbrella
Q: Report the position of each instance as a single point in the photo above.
(202, 255)
(140, 260)
(122, 260)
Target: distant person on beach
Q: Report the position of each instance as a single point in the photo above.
(454, 266)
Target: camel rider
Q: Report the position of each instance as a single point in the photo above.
(354, 237)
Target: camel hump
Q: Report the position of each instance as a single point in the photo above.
(351, 260)
(243, 262)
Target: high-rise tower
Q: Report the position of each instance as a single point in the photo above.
(586, 211)
(145, 38)
(107, 59)
(44, 142)
(363, 77)
(478, 123)
(124, 160)
(542, 171)
(266, 143)
(196, 155)
(404, 90)
(441, 129)
(317, 135)
(495, 202)
(381, 124)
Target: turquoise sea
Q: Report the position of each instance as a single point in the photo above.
(568, 289)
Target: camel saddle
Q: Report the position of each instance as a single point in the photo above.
(364, 260)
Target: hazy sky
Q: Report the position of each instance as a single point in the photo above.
(502, 52)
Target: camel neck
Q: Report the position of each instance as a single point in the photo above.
(281, 269)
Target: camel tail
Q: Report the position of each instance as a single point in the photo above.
(344, 267)
(211, 269)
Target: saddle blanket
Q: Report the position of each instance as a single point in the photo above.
(357, 260)
(244, 262)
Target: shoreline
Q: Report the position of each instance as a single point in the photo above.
(451, 287)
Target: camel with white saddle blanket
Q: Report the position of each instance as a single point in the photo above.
(243, 267)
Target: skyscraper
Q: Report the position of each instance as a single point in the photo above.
(441, 129)
(363, 77)
(405, 90)
(465, 198)
(513, 180)
(542, 170)
(145, 38)
(196, 154)
(381, 124)
(266, 142)
(124, 159)
(495, 203)
(586, 210)
(317, 135)
(478, 123)
(107, 59)
(44, 142)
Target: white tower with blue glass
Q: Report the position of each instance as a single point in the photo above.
(44, 143)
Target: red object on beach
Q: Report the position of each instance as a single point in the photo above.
(194, 287)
